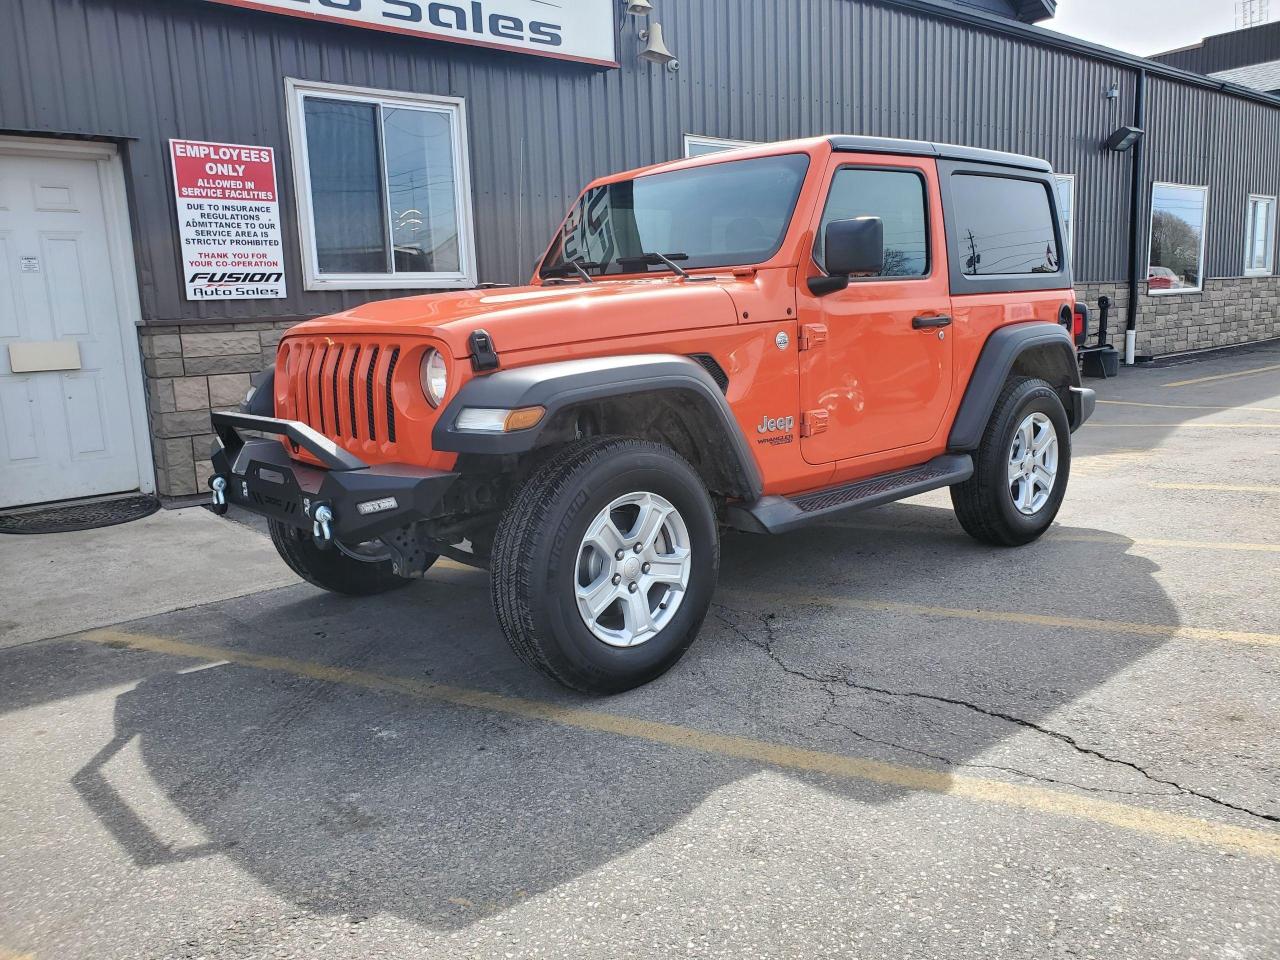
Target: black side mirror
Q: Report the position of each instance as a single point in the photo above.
(851, 247)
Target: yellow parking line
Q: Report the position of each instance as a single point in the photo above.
(1224, 376)
(1186, 406)
(6, 954)
(1195, 425)
(1226, 487)
(1168, 630)
(1175, 544)
(1055, 536)
(1143, 820)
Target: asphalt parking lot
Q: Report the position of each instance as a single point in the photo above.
(888, 742)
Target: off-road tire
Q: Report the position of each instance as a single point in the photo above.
(534, 562)
(983, 503)
(330, 569)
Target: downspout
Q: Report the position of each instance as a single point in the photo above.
(1136, 233)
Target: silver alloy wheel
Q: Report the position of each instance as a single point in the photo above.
(632, 569)
(1033, 463)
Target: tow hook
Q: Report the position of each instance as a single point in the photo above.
(321, 528)
(219, 487)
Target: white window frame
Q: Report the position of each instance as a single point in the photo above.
(721, 144)
(1071, 214)
(1269, 269)
(313, 279)
(1151, 236)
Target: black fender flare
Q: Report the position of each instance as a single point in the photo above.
(1052, 345)
(563, 384)
(263, 401)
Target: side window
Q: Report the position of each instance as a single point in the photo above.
(1260, 240)
(1066, 184)
(1004, 226)
(895, 196)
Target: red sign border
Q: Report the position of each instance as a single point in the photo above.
(402, 31)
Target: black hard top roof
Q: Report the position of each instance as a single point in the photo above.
(922, 148)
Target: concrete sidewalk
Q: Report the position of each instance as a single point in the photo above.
(62, 583)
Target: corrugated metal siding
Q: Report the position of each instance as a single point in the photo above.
(1188, 128)
(751, 69)
(1238, 48)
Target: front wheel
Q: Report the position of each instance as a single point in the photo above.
(1020, 469)
(604, 565)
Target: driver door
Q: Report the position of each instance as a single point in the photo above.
(876, 357)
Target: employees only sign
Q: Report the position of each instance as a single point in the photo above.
(228, 220)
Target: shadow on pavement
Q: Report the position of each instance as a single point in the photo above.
(350, 802)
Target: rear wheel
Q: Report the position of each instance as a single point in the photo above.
(1020, 469)
(361, 575)
(604, 565)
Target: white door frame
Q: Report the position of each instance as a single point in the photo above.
(124, 272)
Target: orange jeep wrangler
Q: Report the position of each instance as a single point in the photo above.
(755, 340)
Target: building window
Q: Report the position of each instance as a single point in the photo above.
(384, 196)
(1176, 264)
(1004, 226)
(1066, 184)
(696, 146)
(897, 198)
(1261, 238)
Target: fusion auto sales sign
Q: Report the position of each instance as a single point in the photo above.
(584, 30)
(228, 220)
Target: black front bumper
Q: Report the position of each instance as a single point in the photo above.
(261, 477)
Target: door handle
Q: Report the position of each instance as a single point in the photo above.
(930, 323)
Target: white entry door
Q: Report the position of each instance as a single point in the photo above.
(67, 431)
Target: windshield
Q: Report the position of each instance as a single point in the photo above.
(726, 214)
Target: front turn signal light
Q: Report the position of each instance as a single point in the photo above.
(490, 420)
(523, 419)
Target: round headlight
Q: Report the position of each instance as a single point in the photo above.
(435, 377)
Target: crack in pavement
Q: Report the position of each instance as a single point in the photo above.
(826, 680)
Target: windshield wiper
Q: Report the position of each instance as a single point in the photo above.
(667, 260)
(576, 265)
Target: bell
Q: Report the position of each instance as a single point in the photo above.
(655, 50)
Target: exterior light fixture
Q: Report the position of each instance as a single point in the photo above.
(639, 8)
(655, 48)
(1124, 139)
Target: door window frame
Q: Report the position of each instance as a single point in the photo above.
(910, 168)
(296, 92)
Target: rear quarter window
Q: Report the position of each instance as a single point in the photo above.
(1004, 226)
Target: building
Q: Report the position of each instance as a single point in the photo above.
(1249, 57)
(329, 152)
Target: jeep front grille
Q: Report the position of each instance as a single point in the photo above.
(342, 387)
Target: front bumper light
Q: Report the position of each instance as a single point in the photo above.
(492, 420)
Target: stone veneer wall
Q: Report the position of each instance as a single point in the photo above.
(1229, 311)
(191, 370)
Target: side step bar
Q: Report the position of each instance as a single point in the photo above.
(780, 514)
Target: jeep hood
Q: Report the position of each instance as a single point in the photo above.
(520, 318)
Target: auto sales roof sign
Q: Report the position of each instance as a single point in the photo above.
(584, 30)
(228, 220)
